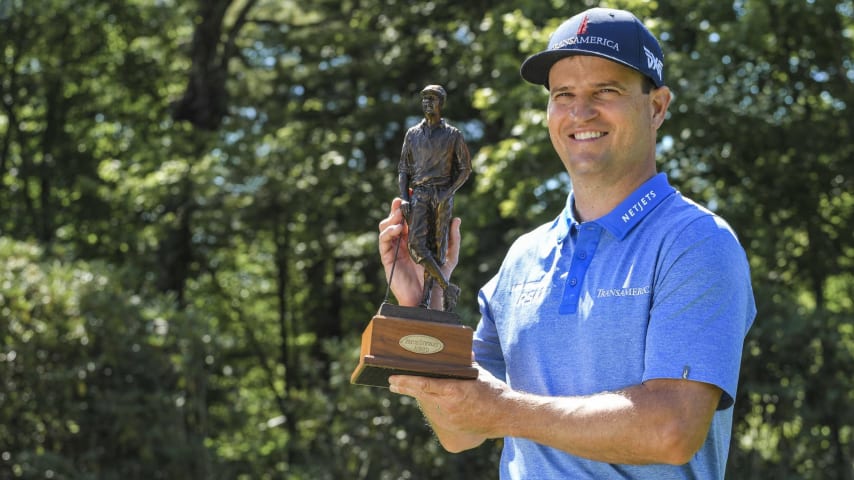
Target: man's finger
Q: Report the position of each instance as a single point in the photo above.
(394, 215)
(409, 385)
(454, 238)
(453, 253)
(391, 232)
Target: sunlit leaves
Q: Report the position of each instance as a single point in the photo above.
(268, 225)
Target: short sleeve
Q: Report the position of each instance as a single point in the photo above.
(486, 344)
(702, 308)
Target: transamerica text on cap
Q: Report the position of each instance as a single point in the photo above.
(587, 40)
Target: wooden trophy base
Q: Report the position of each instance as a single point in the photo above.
(413, 341)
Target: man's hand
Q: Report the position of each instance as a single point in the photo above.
(408, 282)
(463, 413)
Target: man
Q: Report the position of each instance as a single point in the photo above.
(434, 164)
(611, 338)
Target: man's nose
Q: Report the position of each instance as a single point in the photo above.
(582, 108)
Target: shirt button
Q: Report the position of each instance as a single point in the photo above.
(582, 255)
(573, 282)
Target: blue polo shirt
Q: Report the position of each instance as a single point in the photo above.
(657, 288)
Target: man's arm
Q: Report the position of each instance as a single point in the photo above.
(660, 421)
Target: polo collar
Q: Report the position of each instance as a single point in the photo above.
(625, 216)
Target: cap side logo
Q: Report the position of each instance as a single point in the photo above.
(582, 29)
(652, 62)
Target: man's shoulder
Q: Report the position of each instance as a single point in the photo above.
(534, 243)
(686, 226)
(682, 215)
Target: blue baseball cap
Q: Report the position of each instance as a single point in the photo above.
(616, 35)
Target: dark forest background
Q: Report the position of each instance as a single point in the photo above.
(189, 194)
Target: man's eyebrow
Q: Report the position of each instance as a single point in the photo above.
(611, 83)
(606, 83)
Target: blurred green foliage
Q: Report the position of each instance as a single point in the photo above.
(191, 192)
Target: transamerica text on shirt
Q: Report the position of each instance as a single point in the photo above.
(622, 292)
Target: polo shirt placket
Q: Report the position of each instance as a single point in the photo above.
(580, 245)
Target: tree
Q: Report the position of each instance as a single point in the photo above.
(760, 113)
(193, 188)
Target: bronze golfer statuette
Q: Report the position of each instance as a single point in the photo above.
(434, 164)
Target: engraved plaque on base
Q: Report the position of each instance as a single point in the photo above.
(413, 341)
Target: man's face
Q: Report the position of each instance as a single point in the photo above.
(430, 103)
(600, 121)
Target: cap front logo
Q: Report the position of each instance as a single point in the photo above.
(581, 40)
(586, 41)
(582, 29)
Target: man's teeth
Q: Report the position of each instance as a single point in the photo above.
(588, 135)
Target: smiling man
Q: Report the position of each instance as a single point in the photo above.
(611, 338)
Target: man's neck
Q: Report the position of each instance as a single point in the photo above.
(596, 198)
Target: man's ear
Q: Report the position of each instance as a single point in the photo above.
(660, 100)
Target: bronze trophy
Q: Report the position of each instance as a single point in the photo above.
(400, 340)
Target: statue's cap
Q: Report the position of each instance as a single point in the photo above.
(436, 89)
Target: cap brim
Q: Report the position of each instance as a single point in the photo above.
(535, 69)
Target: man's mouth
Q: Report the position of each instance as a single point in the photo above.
(588, 135)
